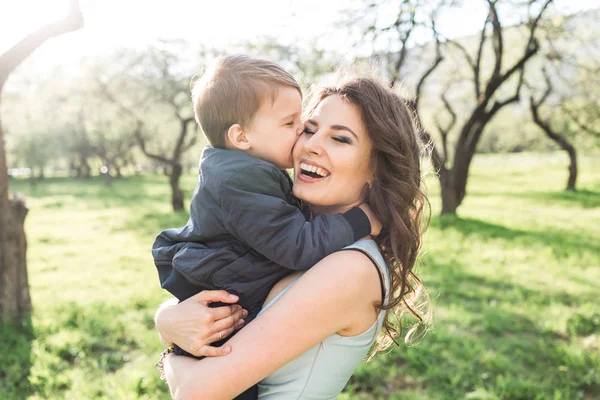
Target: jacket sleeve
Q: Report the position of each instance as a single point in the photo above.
(255, 211)
(185, 267)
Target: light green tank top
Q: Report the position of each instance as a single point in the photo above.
(323, 371)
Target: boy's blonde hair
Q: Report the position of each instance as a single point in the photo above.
(231, 92)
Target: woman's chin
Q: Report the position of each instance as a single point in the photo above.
(306, 194)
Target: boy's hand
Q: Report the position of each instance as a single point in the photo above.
(375, 223)
(193, 325)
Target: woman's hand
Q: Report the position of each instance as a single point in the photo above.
(193, 325)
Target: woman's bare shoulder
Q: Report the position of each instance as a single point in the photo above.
(351, 272)
(353, 263)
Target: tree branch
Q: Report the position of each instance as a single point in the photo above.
(477, 68)
(531, 49)
(444, 131)
(497, 39)
(16, 54)
(142, 143)
(534, 106)
(179, 148)
(404, 37)
(438, 59)
(465, 53)
(581, 125)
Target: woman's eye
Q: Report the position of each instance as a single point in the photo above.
(342, 139)
(308, 131)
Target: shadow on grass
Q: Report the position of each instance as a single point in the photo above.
(130, 191)
(582, 198)
(476, 293)
(482, 343)
(563, 244)
(15, 348)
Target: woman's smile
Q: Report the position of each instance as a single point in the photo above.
(311, 172)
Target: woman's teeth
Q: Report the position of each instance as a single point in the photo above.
(306, 168)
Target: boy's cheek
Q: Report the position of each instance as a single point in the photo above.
(297, 143)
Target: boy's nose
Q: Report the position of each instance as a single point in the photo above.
(300, 129)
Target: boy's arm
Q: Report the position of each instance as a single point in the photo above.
(255, 211)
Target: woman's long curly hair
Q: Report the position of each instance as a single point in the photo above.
(395, 196)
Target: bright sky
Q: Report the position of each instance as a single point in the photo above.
(110, 23)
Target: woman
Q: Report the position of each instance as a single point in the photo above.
(316, 328)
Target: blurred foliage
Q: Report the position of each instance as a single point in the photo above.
(57, 120)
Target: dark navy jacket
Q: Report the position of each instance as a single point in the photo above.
(246, 231)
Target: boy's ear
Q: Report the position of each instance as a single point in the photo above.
(237, 137)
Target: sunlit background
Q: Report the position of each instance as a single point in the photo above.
(102, 148)
(110, 23)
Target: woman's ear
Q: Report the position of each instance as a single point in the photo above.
(237, 137)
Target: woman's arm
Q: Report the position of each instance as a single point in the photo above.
(336, 295)
(193, 325)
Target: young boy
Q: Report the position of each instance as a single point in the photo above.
(246, 230)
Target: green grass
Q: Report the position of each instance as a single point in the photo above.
(514, 281)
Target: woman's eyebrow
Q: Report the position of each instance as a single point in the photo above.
(344, 128)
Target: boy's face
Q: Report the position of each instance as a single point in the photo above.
(276, 127)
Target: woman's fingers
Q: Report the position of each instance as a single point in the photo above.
(225, 311)
(226, 323)
(223, 333)
(212, 296)
(209, 351)
(224, 327)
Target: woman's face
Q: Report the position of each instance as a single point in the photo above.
(332, 157)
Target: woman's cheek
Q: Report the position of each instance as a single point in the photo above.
(297, 149)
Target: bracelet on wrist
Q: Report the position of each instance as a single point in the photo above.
(160, 364)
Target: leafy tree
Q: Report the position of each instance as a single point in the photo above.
(493, 86)
(153, 90)
(568, 85)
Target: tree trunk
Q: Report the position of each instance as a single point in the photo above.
(14, 286)
(453, 182)
(572, 167)
(75, 168)
(87, 170)
(560, 140)
(449, 193)
(176, 193)
(107, 177)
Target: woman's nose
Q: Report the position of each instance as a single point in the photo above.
(314, 144)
